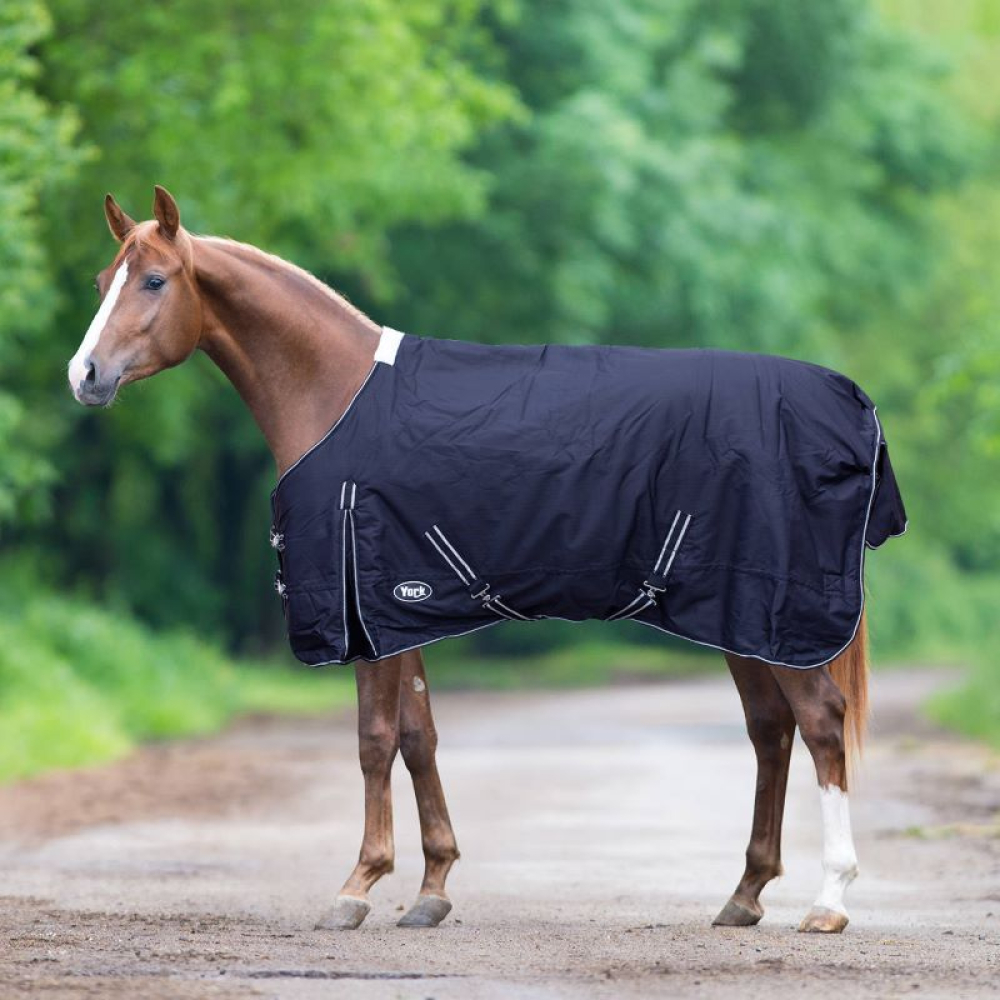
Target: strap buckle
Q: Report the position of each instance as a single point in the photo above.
(277, 540)
(279, 585)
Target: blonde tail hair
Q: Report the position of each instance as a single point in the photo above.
(850, 674)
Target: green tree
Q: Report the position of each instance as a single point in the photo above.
(947, 381)
(742, 175)
(37, 153)
(308, 127)
(763, 174)
(757, 175)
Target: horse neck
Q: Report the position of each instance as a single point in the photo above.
(295, 351)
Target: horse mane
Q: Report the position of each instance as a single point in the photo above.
(147, 233)
(280, 264)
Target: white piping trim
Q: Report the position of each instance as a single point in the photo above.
(388, 345)
(336, 424)
(418, 645)
(343, 576)
(895, 534)
(357, 586)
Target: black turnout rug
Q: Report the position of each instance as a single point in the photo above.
(725, 498)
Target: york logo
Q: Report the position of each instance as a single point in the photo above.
(411, 590)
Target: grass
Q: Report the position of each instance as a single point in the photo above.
(80, 685)
(974, 707)
(454, 665)
(924, 610)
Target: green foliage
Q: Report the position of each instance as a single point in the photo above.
(734, 175)
(973, 708)
(924, 609)
(816, 180)
(945, 390)
(310, 128)
(36, 155)
(459, 665)
(79, 685)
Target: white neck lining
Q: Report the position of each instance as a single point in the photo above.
(388, 345)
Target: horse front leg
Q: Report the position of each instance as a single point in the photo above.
(771, 727)
(819, 708)
(378, 741)
(418, 743)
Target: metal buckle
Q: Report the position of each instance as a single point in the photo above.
(279, 585)
(483, 595)
(277, 540)
(652, 591)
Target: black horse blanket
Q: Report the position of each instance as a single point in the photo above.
(725, 498)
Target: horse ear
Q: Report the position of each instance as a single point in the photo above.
(118, 222)
(166, 212)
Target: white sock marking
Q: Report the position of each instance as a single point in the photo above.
(840, 862)
(78, 366)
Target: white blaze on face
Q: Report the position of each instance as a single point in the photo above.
(840, 862)
(78, 366)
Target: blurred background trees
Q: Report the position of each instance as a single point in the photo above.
(37, 152)
(815, 180)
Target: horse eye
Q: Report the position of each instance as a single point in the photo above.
(155, 282)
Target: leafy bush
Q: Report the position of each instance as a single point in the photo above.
(973, 708)
(82, 685)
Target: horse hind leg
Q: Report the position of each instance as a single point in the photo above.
(378, 741)
(418, 743)
(820, 707)
(771, 728)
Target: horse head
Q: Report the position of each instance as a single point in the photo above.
(150, 317)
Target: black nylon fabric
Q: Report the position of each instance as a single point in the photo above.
(725, 498)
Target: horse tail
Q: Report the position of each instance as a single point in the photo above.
(850, 674)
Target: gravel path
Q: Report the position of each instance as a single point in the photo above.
(601, 831)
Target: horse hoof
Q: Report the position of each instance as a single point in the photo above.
(738, 914)
(820, 920)
(347, 914)
(427, 911)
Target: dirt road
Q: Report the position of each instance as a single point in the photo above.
(601, 830)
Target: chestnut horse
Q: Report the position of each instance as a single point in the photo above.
(297, 353)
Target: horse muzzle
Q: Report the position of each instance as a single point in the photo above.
(95, 388)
